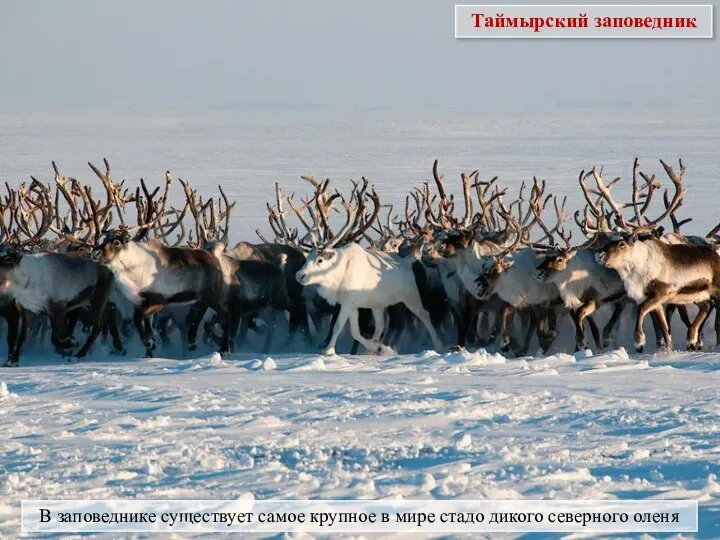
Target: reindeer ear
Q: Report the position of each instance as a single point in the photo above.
(329, 254)
(632, 238)
(658, 232)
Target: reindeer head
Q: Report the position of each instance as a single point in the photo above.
(112, 244)
(616, 251)
(318, 264)
(493, 269)
(10, 257)
(556, 260)
(452, 245)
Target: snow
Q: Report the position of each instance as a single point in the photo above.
(405, 426)
(424, 425)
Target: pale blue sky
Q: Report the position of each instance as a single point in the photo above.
(224, 53)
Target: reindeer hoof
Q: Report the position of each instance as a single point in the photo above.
(192, 346)
(12, 362)
(329, 351)
(457, 348)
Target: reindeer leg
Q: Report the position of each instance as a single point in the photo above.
(272, 323)
(229, 320)
(650, 304)
(397, 321)
(234, 320)
(138, 317)
(98, 305)
(196, 314)
(336, 314)
(609, 329)
(595, 331)
(147, 321)
(379, 318)
(472, 313)
(700, 343)
(506, 313)
(111, 318)
(26, 320)
(161, 326)
(71, 319)
(683, 312)
(209, 328)
(537, 323)
(548, 317)
(459, 317)
(340, 320)
(12, 315)
(582, 313)
(57, 326)
(357, 334)
(692, 333)
(143, 326)
(364, 323)
(715, 302)
(664, 328)
(416, 307)
(245, 324)
(669, 312)
(483, 327)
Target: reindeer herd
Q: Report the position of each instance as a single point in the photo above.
(503, 267)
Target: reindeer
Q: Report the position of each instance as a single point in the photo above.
(355, 277)
(655, 273)
(584, 286)
(256, 285)
(152, 275)
(53, 283)
(509, 276)
(582, 282)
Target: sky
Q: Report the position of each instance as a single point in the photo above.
(328, 53)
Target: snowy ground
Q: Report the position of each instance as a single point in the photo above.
(416, 426)
(412, 426)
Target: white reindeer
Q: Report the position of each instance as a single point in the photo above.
(358, 278)
(355, 278)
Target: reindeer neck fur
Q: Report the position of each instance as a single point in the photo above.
(331, 286)
(42, 279)
(28, 284)
(645, 263)
(582, 276)
(228, 263)
(135, 268)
